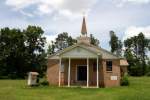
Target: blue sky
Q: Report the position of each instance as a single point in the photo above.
(126, 17)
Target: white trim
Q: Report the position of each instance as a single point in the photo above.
(69, 67)
(59, 72)
(97, 72)
(87, 72)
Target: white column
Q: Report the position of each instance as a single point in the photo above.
(69, 72)
(87, 72)
(59, 71)
(97, 73)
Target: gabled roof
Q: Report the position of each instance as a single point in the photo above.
(94, 49)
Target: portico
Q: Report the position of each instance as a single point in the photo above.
(80, 73)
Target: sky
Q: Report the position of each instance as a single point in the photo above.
(125, 17)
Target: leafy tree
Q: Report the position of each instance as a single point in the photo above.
(71, 41)
(138, 46)
(94, 41)
(51, 48)
(119, 49)
(115, 43)
(63, 41)
(143, 45)
(21, 51)
(12, 51)
(35, 43)
(130, 58)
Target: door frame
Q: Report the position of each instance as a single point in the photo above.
(77, 72)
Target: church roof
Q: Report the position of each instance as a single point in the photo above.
(94, 49)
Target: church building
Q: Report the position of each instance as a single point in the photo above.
(84, 64)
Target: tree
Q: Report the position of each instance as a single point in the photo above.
(138, 46)
(142, 49)
(12, 51)
(119, 49)
(71, 41)
(51, 48)
(94, 41)
(143, 45)
(35, 43)
(63, 41)
(21, 51)
(115, 43)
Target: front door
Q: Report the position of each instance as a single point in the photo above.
(82, 73)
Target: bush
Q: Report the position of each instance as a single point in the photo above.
(4, 77)
(148, 74)
(44, 83)
(136, 70)
(124, 80)
(12, 76)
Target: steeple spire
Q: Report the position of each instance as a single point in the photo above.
(84, 38)
(84, 30)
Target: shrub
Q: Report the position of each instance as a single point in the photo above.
(4, 77)
(148, 74)
(12, 76)
(44, 83)
(124, 80)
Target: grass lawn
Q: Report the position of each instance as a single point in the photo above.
(139, 89)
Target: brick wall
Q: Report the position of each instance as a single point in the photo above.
(53, 72)
(104, 76)
(108, 82)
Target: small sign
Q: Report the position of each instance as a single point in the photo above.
(113, 77)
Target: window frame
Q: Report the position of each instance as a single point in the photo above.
(108, 66)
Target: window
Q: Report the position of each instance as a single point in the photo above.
(108, 65)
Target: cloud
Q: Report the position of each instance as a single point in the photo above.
(137, 1)
(44, 9)
(20, 4)
(134, 31)
(121, 3)
(64, 7)
(26, 13)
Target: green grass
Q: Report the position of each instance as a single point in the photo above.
(139, 89)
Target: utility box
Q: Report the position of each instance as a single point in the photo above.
(33, 78)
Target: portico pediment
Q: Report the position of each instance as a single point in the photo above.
(78, 52)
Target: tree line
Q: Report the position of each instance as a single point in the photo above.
(22, 51)
(135, 50)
